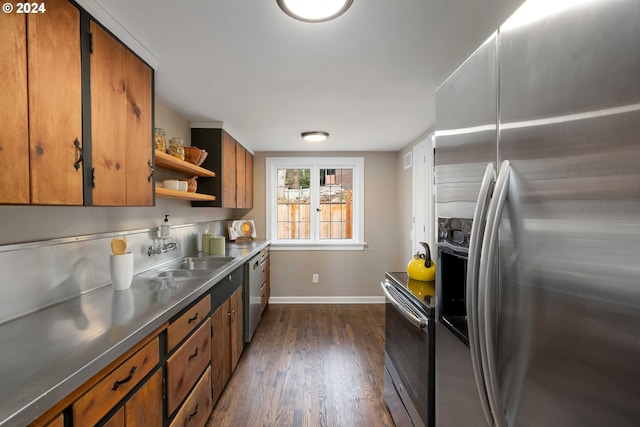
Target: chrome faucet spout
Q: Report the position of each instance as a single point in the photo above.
(162, 248)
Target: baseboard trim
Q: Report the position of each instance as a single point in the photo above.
(327, 300)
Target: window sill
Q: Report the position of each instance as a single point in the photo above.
(315, 246)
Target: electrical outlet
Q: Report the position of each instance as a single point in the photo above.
(315, 278)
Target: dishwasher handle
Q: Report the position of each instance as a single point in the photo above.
(404, 306)
(254, 264)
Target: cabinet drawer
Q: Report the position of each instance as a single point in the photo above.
(186, 364)
(197, 408)
(57, 422)
(186, 323)
(101, 398)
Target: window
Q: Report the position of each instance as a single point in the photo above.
(315, 203)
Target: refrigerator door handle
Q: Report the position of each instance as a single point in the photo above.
(477, 227)
(485, 292)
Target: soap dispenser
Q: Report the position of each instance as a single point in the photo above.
(165, 228)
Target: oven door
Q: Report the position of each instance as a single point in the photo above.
(409, 359)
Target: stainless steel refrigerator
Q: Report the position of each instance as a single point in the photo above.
(538, 144)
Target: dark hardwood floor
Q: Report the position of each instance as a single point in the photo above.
(310, 365)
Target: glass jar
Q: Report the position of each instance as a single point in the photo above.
(176, 148)
(160, 138)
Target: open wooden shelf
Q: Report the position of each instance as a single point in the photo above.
(166, 161)
(165, 193)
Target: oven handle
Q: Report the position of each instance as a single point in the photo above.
(486, 295)
(473, 264)
(420, 322)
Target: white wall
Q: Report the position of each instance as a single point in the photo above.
(342, 273)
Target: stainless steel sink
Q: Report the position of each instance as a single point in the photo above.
(204, 263)
(183, 273)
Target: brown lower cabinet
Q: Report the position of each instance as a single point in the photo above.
(197, 408)
(227, 342)
(143, 409)
(185, 366)
(57, 421)
(93, 405)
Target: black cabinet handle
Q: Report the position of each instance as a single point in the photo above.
(194, 413)
(152, 170)
(79, 152)
(194, 354)
(193, 319)
(117, 383)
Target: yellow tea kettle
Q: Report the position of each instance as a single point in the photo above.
(422, 267)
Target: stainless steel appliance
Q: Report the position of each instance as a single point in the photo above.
(409, 350)
(538, 143)
(253, 304)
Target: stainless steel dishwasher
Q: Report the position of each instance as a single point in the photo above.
(253, 301)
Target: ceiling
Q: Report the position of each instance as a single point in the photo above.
(367, 78)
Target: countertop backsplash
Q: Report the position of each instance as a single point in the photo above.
(38, 274)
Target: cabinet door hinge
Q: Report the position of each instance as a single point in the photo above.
(212, 330)
(164, 389)
(93, 177)
(90, 42)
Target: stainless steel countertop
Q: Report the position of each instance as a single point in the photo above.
(46, 355)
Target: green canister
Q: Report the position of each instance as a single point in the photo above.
(206, 237)
(216, 245)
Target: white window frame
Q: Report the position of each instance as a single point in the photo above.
(272, 164)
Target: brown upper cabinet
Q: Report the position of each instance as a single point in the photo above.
(233, 187)
(121, 122)
(41, 107)
(47, 157)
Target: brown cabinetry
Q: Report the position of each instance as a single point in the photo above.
(248, 168)
(56, 147)
(236, 327)
(187, 322)
(227, 342)
(188, 370)
(197, 408)
(41, 107)
(57, 422)
(233, 187)
(143, 409)
(121, 121)
(241, 174)
(93, 405)
(185, 366)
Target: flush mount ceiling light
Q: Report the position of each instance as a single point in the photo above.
(314, 10)
(314, 136)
